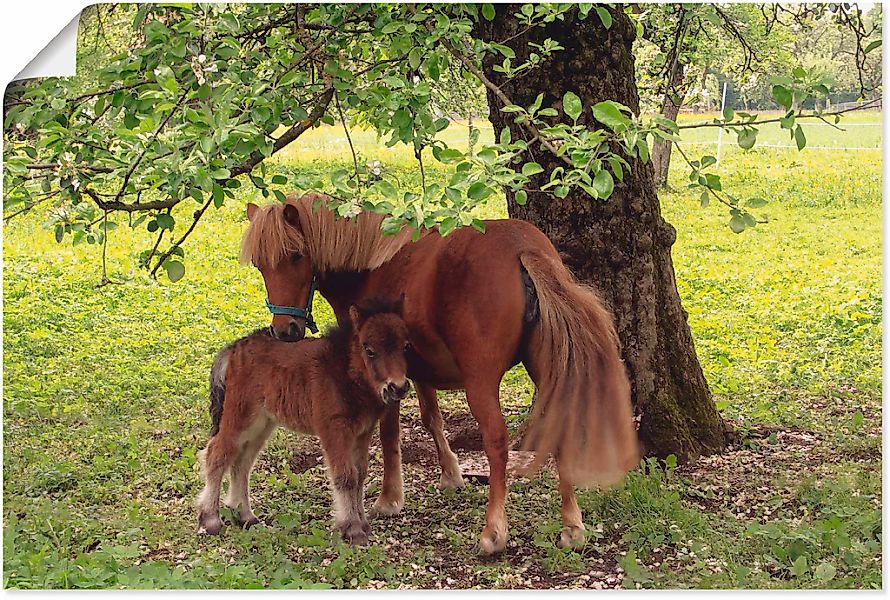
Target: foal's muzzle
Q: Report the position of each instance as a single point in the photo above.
(394, 393)
(292, 332)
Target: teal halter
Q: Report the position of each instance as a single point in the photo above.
(300, 313)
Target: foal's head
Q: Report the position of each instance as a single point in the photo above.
(381, 338)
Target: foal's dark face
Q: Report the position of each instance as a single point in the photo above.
(384, 342)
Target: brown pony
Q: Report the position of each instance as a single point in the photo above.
(335, 387)
(475, 305)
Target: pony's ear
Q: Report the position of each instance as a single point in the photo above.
(356, 316)
(251, 210)
(291, 215)
(398, 306)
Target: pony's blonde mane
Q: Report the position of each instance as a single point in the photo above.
(335, 244)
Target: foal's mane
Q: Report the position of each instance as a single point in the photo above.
(335, 244)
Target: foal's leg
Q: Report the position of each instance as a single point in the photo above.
(339, 450)
(431, 417)
(360, 459)
(239, 493)
(392, 495)
(482, 396)
(214, 461)
(572, 535)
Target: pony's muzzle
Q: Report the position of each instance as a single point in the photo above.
(393, 392)
(292, 332)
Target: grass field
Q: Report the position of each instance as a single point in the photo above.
(105, 407)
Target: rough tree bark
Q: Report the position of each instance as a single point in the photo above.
(622, 246)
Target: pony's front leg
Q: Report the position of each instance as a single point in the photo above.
(482, 396)
(392, 496)
(431, 417)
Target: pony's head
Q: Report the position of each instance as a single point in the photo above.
(275, 244)
(381, 338)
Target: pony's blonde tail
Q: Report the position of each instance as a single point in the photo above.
(582, 414)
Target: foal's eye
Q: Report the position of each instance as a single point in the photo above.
(369, 351)
(295, 257)
(407, 346)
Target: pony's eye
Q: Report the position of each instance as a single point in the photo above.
(407, 346)
(295, 257)
(369, 351)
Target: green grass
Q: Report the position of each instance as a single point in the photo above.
(105, 406)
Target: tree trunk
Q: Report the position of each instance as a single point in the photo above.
(622, 246)
(670, 108)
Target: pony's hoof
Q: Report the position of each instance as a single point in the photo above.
(251, 522)
(386, 507)
(572, 537)
(492, 541)
(210, 526)
(451, 481)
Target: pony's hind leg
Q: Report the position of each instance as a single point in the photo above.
(214, 461)
(431, 417)
(239, 491)
(392, 496)
(572, 535)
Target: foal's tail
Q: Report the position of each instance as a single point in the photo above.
(582, 412)
(218, 388)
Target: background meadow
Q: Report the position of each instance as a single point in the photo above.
(105, 406)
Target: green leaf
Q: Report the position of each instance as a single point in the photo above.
(799, 566)
(279, 179)
(479, 191)
(728, 113)
(531, 168)
(609, 114)
(825, 571)
(737, 224)
(705, 198)
(783, 96)
(175, 270)
(603, 184)
(571, 104)
(756, 202)
(414, 57)
(799, 138)
(218, 195)
(747, 138)
(604, 16)
(488, 11)
(874, 44)
(521, 197)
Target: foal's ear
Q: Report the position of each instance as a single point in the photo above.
(356, 316)
(291, 216)
(251, 210)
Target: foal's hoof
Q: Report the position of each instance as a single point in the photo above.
(355, 534)
(251, 522)
(451, 481)
(572, 537)
(209, 525)
(386, 507)
(492, 541)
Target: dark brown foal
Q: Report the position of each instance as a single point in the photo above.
(335, 387)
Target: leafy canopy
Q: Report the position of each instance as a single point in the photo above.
(205, 93)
